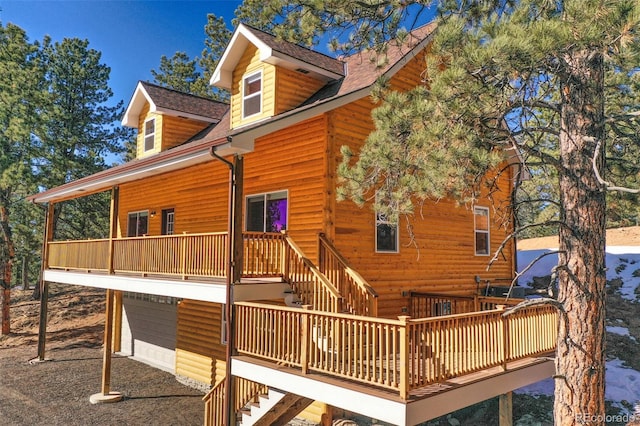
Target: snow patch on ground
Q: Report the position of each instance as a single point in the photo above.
(623, 262)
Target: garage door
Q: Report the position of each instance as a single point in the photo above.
(149, 329)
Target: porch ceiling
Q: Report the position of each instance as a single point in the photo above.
(423, 405)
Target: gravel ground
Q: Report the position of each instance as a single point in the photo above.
(57, 391)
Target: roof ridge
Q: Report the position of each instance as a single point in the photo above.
(148, 83)
(335, 58)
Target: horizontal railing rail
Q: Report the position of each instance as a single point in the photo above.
(402, 355)
(359, 297)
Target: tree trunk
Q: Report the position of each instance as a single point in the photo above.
(580, 361)
(9, 251)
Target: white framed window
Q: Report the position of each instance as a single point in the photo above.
(481, 227)
(252, 94)
(168, 221)
(387, 236)
(138, 223)
(267, 212)
(149, 134)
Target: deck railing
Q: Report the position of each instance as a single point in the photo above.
(359, 298)
(183, 255)
(402, 355)
(201, 256)
(425, 305)
(88, 255)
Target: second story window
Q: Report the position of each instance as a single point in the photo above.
(149, 134)
(481, 224)
(267, 212)
(138, 224)
(252, 94)
(386, 235)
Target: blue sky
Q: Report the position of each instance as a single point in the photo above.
(132, 35)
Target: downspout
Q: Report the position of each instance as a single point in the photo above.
(229, 314)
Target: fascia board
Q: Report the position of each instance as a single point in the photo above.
(169, 164)
(132, 114)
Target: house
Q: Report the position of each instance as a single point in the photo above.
(227, 222)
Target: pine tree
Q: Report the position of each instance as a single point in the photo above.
(192, 75)
(19, 86)
(78, 130)
(557, 80)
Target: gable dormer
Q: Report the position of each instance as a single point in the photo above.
(166, 118)
(267, 77)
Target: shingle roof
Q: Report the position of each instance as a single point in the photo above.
(302, 53)
(363, 69)
(169, 99)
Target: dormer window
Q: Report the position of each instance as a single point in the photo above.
(149, 134)
(252, 94)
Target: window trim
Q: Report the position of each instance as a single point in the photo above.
(379, 221)
(137, 212)
(264, 217)
(477, 231)
(259, 93)
(166, 214)
(147, 135)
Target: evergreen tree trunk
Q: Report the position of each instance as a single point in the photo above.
(7, 262)
(580, 361)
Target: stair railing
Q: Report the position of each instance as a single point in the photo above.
(245, 391)
(359, 298)
(308, 282)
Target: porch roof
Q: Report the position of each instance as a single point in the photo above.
(194, 151)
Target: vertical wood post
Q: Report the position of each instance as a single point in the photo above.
(105, 394)
(505, 403)
(113, 228)
(505, 339)
(305, 337)
(404, 357)
(235, 250)
(184, 256)
(117, 321)
(44, 285)
(108, 342)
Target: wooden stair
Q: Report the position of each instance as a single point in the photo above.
(275, 408)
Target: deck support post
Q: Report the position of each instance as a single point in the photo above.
(44, 285)
(506, 409)
(235, 250)
(105, 394)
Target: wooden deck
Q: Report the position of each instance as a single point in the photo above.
(400, 355)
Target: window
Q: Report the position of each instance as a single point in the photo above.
(149, 134)
(481, 221)
(267, 212)
(252, 95)
(386, 235)
(168, 220)
(138, 224)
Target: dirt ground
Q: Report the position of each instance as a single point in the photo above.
(57, 391)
